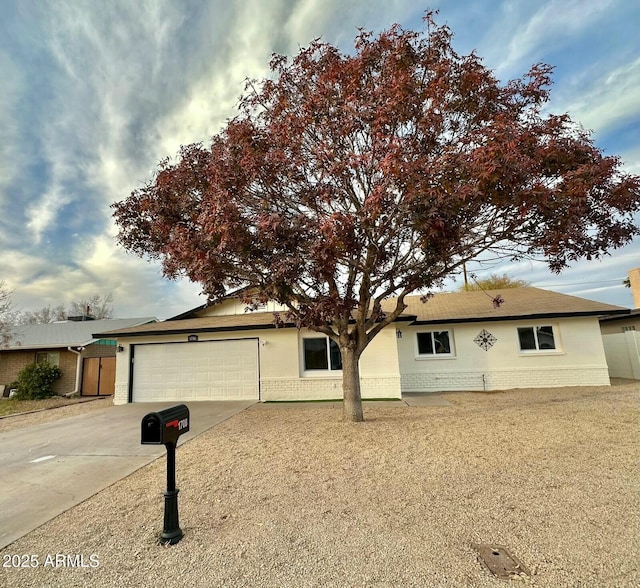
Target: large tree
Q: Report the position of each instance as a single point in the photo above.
(348, 179)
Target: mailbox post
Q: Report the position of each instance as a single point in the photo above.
(163, 428)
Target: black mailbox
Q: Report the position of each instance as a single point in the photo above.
(165, 426)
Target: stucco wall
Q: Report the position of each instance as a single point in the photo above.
(281, 373)
(236, 306)
(379, 376)
(578, 359)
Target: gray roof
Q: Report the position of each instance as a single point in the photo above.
(68, 333)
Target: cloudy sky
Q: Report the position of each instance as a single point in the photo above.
(95, 93)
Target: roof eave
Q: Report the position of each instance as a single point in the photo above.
(189, 313)
(183, 331)
(213, 329)
(620, 316)
(533, 316)
(46, 346)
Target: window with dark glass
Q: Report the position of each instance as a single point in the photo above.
(434, 343)
(52, 358)
(321, 354)
(536, 338)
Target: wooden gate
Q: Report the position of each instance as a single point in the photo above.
(98, 376)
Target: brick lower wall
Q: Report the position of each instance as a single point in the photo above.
(121, 394)
(393, 387)
(99, 351)
(504, 379)
(326, 388)
(306, 389)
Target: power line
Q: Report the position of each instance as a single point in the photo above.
(620, 280)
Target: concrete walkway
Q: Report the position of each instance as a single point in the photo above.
(46, 469)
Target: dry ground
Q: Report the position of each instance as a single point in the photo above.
(291, 496)
(18, 413)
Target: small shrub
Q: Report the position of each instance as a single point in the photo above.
(35, 381)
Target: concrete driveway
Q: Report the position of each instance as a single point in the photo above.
(46, 469)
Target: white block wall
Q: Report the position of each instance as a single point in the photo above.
(623, 354)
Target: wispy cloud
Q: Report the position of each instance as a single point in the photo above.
(103, 64)
(337, 21)
(96, 93)
(12, 156)
(603, 100)
(524, 31)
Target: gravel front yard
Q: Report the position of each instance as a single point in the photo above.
(288, 495)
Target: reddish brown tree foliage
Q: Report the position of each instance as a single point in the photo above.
(348, 179)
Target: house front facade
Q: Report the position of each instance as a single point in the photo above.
(460, 341)
(226, 353)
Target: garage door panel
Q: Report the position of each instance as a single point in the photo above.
(210, 370)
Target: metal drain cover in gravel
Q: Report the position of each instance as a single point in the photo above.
(499, 561)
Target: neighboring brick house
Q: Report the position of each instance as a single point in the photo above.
(71, 346)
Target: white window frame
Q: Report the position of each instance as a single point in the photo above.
(539, 350)
(432, 356)
(337, 373)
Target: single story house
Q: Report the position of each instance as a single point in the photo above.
(454, 341)
(87, 363)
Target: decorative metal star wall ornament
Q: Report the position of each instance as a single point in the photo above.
(485, 340)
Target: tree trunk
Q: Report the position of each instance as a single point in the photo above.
(352, 401)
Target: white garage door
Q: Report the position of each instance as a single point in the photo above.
(209, 370)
